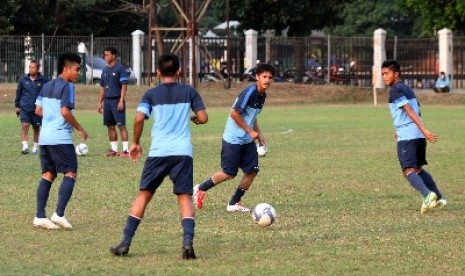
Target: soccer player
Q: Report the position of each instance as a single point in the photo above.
(28, 89)
(238, 146)
(170, 152)
(113, 88)
(57, 155)
(411, 136)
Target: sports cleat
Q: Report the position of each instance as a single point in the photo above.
(198, 197)
(121, 249)
(188, 250)
(124, 154)
(429, 202)
(111, 153)
(442, 202)
(25, 151)
(44, 223)
(237, 207)
(61, 221)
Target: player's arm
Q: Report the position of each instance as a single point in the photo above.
(39, 111)
(69, 117)
(200, 117)
(261, 138)
(411, 113)
(236, 116)
(19, 91)
(135, 151)
(100, 99)
(124, 90)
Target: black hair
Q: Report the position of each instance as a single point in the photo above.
(391, 64)
(111, 49)
(36, 62)
(265, 67)
(65, 59)
(168, 64)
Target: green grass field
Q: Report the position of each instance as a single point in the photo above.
(331, 173)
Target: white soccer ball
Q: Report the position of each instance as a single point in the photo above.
(264, 214)
(82, 149)
(262, 150)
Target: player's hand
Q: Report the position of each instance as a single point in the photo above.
(18, 111)
(261, 140)
(82, 134)
(99, 108)
(394, 135)
(430, 136)
(194, 119)
(120, 106)
(253, 134)
(135, 152)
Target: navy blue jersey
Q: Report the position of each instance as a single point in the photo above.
(400, 95)
(27, 92)
(113, 78)
(249, 104)
(55, 94)
(171, 105)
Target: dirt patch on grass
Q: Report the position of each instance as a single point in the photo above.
(216, 95)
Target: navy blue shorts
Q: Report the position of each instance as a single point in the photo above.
(179, 168)
(412, 153)
(111, 115)
(30, 117)
(235, 156)
(58, 159)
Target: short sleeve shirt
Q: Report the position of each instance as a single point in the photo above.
(249, 104)
(112, 80)
(54, 95)
(171, 105)
(400, 95)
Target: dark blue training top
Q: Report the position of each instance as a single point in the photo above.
(27, 92)
(112, 80)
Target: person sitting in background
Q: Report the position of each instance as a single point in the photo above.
(442, 84)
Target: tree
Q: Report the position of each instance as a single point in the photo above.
(376, 14)
(7, 9)
(438, 14)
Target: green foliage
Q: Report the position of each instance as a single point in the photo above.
(7, 9)
(438, 14)
(363, 17)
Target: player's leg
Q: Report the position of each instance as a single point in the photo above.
(43, 190)
(152, 176)
(109, 121)
(230, 160)
(408, 153)
(65, 159)
(120, 118)
(181, 174)
(36, 123)
(25, 119)
(249, 165)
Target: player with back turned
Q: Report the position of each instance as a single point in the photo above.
(411, 136)
(170, 152)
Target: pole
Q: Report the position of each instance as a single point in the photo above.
(228, 47)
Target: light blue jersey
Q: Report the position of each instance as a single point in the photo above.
(400, 95)
(171, 105)
(249, 104)
(54, 95)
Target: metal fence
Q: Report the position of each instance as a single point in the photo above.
(313, 60)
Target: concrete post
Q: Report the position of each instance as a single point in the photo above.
(28, 53)
(445, 52)
(137, 55)
(379, 56)
(250, 59)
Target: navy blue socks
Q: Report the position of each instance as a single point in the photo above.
(417, 182)
(237, 196)
(43, 191)
(429, 183)
(188, 226)
(64, 194)
(207, 185)
(130, 229)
